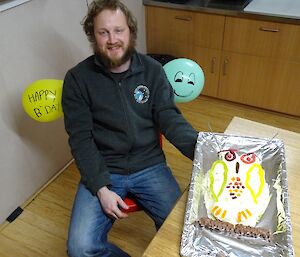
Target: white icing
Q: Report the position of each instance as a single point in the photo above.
(236, 194)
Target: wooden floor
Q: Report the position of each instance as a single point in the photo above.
(41, 230)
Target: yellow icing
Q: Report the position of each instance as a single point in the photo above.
(224, 214)
(249, 213)
(261, 175)
(212, 179)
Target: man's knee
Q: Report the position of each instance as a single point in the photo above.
(83, 249)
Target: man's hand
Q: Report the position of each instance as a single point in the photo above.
(111, 203)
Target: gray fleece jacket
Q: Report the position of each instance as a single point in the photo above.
(113, 126)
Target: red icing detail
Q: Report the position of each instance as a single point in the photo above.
(248, 158)
(230, 155)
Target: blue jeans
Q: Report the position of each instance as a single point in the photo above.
(154, 188)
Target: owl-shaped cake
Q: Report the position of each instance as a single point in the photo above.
(236, 190)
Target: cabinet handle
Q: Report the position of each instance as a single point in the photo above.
(183, 18)
(268, 29)
(212, 66)
(225, 64)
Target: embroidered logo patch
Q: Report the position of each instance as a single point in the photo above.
(141, 94)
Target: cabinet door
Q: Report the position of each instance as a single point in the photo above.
(208, 36)
(262, 38)
(208, 30)
(176, 30)
(263, 82)
(209, 60)
(169, 31)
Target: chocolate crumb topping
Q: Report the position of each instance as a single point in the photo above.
(238, 229)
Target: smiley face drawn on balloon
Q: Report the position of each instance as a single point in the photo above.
(190, 80)
(186, 77)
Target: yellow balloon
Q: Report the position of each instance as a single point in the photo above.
(42, 100)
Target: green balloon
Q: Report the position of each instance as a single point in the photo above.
(186, 77)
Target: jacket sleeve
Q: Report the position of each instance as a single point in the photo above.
(79, 126)
(170, 120)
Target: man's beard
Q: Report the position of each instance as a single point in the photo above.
(114, 63)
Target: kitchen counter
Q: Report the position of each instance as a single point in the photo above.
(285, 11)
(281, 8)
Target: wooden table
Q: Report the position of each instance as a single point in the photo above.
(166, 242)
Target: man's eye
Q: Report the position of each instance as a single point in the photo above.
(102, 33)
(119, 31)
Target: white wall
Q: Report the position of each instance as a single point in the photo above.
(137, 8)
(38, 40)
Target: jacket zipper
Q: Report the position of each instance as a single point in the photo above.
(125, 111)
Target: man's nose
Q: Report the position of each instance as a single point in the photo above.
(111, 38)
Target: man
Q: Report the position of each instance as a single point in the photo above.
(115, 104)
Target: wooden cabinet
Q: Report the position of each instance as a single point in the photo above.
(244, 60)
(169, 31)
(187, 34)
(262, 38)
(262, 82)
(261, 64)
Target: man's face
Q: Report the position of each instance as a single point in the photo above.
(113, 40)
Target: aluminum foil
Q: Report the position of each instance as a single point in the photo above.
(198, 241)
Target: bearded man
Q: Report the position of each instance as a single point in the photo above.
(116, 103)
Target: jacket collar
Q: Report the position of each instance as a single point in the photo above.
(135, 65)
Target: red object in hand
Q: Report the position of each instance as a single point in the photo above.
(133, 206)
